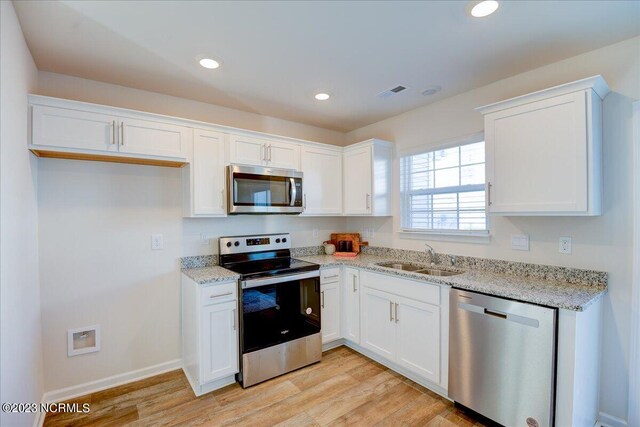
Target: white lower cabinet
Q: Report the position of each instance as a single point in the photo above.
(351, 305)
(330, 305)
(209, 334)
(418, 338)
(402, 323)
(219, 353)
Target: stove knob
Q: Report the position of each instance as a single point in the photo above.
(284, 240)
(277, 240)
(236, 243)
(228, 244)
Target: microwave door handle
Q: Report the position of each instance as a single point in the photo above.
(292, 191)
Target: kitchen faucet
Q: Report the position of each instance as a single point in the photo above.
(431, 252)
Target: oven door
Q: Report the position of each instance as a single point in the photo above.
(279, 309)
(264, 190)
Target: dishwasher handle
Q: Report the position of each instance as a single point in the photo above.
(495, 313)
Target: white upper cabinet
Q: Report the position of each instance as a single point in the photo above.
(78, 130)
(65, 128)
(544, 151)
(368, 178)
(204, 179)
(153, 138)
(246, 150)
(322, 185)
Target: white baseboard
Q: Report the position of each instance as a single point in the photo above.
(67, 393)
(606, 420)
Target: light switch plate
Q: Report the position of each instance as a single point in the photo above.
(520, 242)
(157, 242)
(315, 232)
(565, 245)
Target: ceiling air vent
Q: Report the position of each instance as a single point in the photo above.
(389, 92)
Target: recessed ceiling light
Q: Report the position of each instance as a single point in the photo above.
(484, 8)
(209, 63)
(322, 96)
(431, 90)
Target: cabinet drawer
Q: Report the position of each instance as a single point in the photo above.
(330, 275)
(415, 290)
(215, 294)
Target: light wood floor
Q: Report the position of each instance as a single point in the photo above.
(346, 388)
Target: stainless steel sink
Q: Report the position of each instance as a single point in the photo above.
(436, 272)
(418, 269)
(401, 266)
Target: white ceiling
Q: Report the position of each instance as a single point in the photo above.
(277, 55)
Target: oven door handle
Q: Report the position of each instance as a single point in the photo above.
(254, 283)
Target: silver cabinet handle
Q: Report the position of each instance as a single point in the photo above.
(221, 295)
(269, 152)
(332, 277)
(222, 199)
(488, 194)
(234, 319)
(390, 311)
(113, 132)
(355, 289)
(121, 133)
(368, 201)
(263, 152)
(322, 299)
(397, 313)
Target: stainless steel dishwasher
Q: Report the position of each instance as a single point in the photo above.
(502, 358)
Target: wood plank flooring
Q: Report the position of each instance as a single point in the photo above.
(346, 388)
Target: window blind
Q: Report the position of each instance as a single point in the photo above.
(444, 190)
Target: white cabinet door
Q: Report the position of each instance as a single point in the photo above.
(322, 170)
(61, 127)
(208, 163)
(357, 181)
(246, 150)
(283, 155)
(378, 322)
(418, 338)
(219, 352)
(544, 151)
(351, 303)
(154, 138)
(330, 303)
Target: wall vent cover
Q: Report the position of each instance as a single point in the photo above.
(390, 92)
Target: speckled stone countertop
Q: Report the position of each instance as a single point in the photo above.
(552, 293)
(210, 275)
(560, 287)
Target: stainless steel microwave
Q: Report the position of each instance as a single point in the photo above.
(259, 190)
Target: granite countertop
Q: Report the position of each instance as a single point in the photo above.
(210, 275)
(552, 293)
(558, 287)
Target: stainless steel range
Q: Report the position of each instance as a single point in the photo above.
(280, 306)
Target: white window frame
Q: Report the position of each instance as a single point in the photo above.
(479, 235)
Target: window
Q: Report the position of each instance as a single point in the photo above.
(443, 190)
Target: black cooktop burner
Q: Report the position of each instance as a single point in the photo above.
(265, 264)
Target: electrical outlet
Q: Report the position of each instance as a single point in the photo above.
(315, 232)
(204, 239)
(520, 242)
(372, 232)
(157, 242)
(565, 245)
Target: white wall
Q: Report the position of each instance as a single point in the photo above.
(63, 86)
(601, 243)
(21, 357)
(96, 220)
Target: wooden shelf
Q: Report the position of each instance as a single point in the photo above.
(105, 158)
